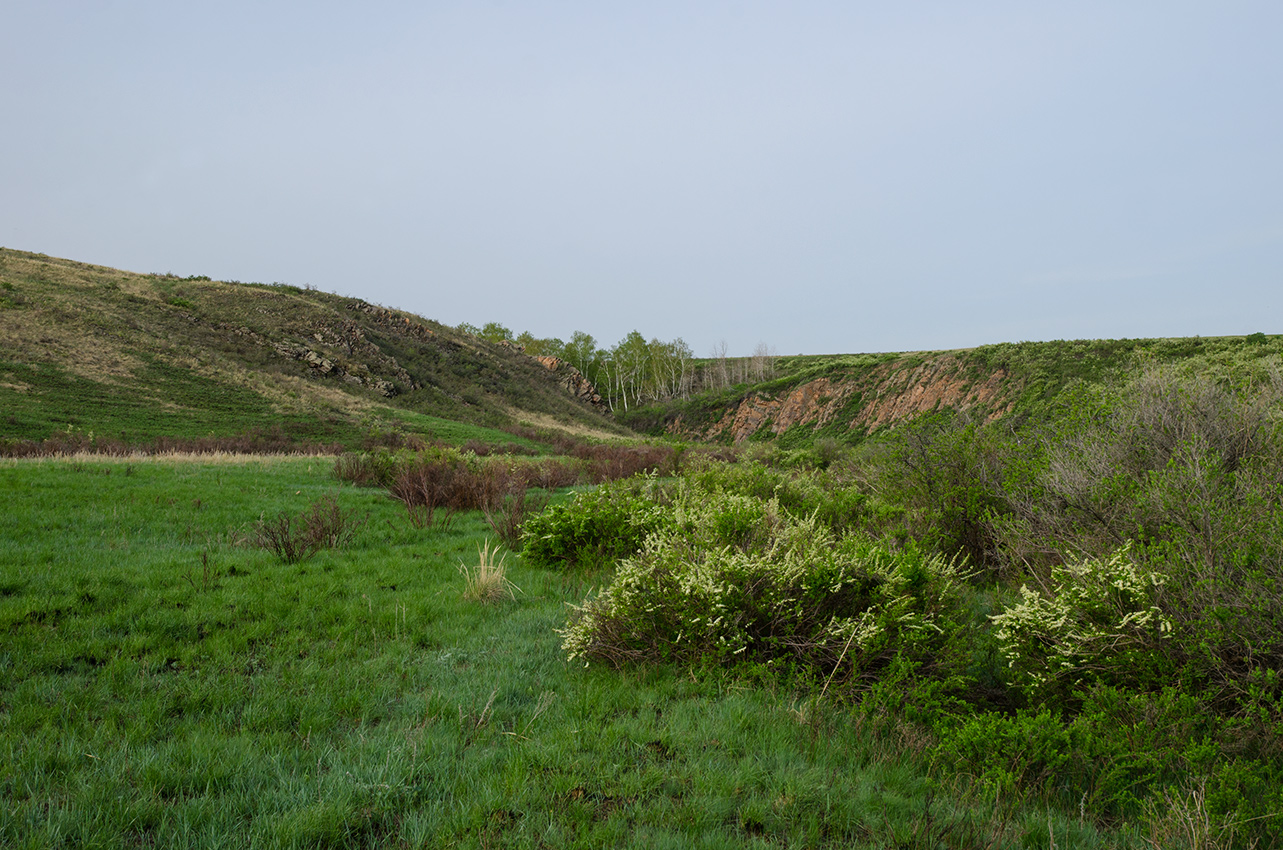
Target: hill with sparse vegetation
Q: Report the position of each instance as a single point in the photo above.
(89, 350)
(92, 354)
(850, 397)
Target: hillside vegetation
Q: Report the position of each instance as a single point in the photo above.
(91, 353)
(849, 397)
(87, 349)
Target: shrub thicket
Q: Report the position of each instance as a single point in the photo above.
(1189, 471)
(1129, 556)
(1099, 622)
(437, 480)
(734, 579)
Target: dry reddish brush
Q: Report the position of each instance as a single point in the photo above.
(274, 441)
(295, 539)
(612, 462)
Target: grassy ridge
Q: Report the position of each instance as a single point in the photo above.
(112, 352)
(1030, 378)
(101, 350)
(162, 683)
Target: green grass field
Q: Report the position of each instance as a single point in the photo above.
(164, 683)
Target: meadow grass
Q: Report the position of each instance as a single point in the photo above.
(165, 683)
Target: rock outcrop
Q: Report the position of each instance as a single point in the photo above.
(572, 380)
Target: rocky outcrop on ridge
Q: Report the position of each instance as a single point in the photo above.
(572, 380)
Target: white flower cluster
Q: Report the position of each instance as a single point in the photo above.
(1096, 610)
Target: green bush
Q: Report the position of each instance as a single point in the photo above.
(595, 528)
(737, 580)
(1191, 469)
(1100, 619)
(1123, 755)
(839, 505)
(946, 470)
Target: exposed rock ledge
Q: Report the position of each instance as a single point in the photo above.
(572, 380)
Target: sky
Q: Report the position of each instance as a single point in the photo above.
(821, 177)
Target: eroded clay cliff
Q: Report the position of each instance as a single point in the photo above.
(885, 394)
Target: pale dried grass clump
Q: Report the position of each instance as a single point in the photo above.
(1181, 819)
(488, 580)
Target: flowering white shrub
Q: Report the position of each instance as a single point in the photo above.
(1101, 618)
(737, 579)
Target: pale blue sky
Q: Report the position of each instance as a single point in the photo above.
(820, 176)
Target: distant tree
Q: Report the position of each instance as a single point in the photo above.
(762, 363)
(536, 347)
(581, 352)
(464, 327)
(669, 374)
(626, 366)
(495, 332)
(721, 366)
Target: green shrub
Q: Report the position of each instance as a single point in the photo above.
(946, 470)
(1123, 755)
(802, 492)
(1100, 619)
(595, 528)
(1191, 469)
(737, 580)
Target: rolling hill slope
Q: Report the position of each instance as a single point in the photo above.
(849, 397)
(94, 350)
(138, 356)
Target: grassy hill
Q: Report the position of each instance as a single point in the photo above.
(134, 357)
(89, 350)
(849, 397)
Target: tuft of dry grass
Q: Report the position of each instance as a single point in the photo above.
(488, 580)
(1181, 819)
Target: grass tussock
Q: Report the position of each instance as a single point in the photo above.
(487, 580)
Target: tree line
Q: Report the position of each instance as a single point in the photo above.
(636, 371)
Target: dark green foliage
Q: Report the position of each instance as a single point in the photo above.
(946, 471)
(596, 528)
(1123, 755)
(1190, 470)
